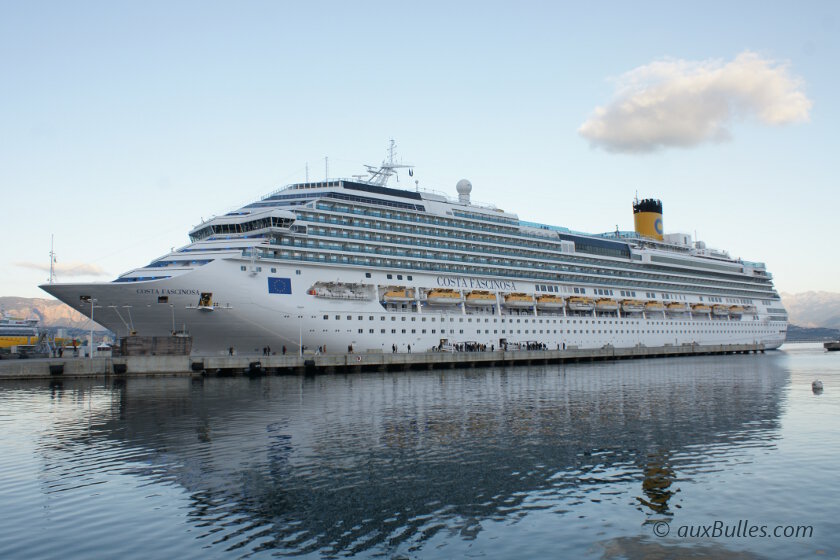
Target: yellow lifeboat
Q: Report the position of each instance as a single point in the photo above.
(736, 310)
(518, 300)
(700, 308)
(480, 297)
(606, 304)
(578, 303)
(632, 306)
(677, 308)
(654, 306)
(398, 295)
(720, 310)
(443, 296)
(550, 302)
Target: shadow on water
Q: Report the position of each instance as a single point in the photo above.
(391, 463)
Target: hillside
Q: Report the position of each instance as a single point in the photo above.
(813, 309)
(50, 312)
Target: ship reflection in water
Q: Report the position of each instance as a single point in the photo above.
(498, 462)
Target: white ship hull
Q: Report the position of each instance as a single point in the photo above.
(247, 317)
(308, 264)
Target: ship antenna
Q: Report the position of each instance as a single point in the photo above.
(380, 176)
(307, 171)
(52, 259)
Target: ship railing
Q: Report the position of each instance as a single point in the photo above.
(754, 264)
(399, 252)
(514, 232)
(485, 250)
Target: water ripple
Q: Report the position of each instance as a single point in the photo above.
(493, 463)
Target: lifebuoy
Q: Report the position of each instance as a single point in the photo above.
(358, 358)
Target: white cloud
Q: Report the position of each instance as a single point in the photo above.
(679, 103)
(67, 269)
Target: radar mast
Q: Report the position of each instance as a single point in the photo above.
(388, 168)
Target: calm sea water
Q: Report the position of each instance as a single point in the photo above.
(589, 460)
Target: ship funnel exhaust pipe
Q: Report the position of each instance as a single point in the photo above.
(647, 217)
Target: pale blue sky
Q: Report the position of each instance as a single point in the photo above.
(122, 124)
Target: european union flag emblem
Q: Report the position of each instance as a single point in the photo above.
(279, 285)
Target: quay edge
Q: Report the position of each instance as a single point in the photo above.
(143, 366)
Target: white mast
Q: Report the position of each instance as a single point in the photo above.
(52, 259)
(388, 168)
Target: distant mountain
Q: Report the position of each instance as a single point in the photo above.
(50, 312)
(813, 309)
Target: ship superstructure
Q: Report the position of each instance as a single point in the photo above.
(341, 264)
(15, 331)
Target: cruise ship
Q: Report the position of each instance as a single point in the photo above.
(356, 265)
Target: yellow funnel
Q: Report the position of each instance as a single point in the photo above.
(647, 216)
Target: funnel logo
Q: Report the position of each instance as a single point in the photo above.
(657, 225)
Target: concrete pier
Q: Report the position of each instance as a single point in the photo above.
(57, 368)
